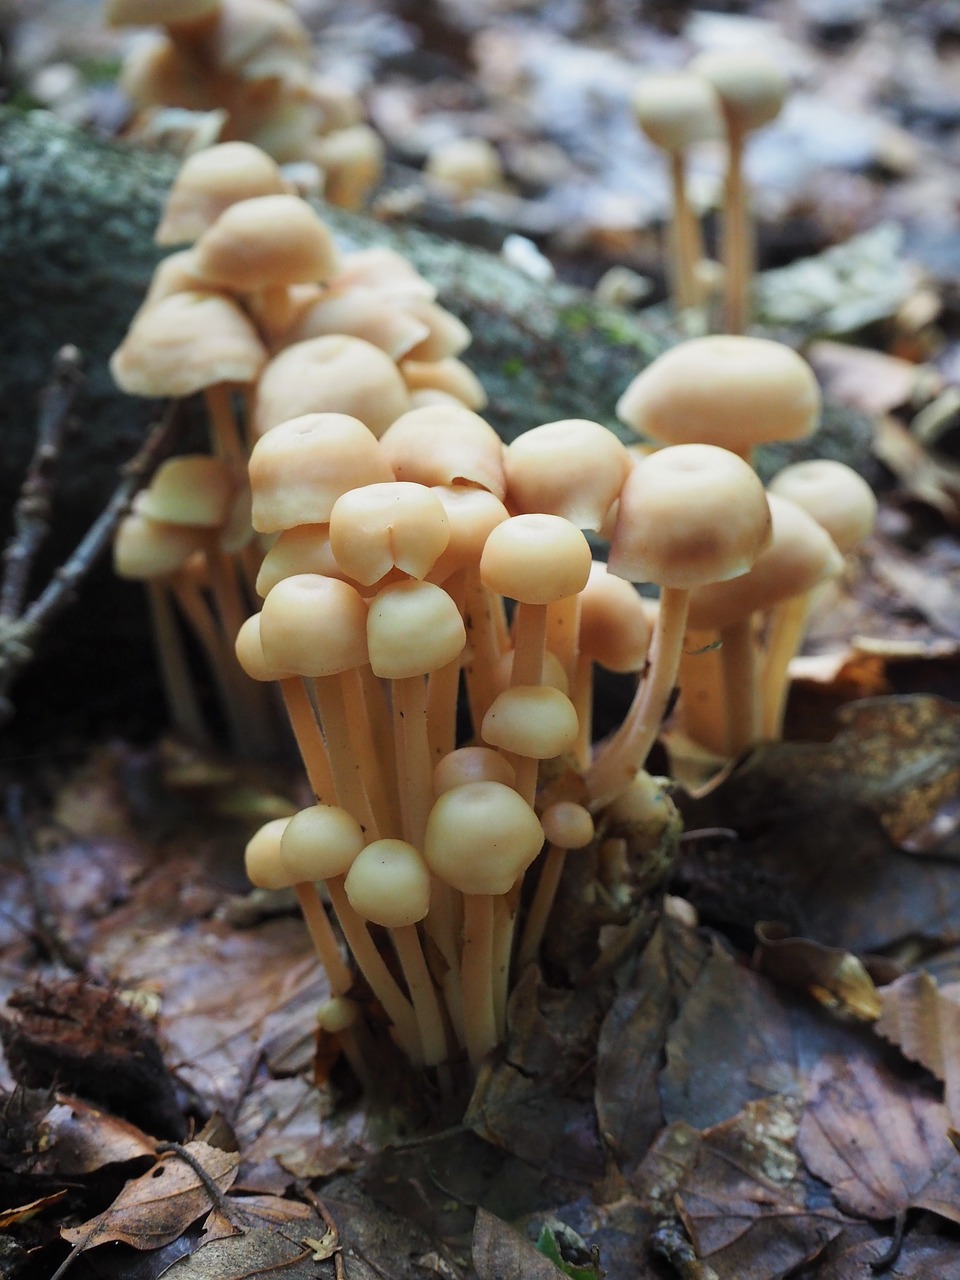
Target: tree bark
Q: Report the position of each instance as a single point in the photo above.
(77, 216)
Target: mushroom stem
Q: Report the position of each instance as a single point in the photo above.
(540, 907)
(379, 978)
(625, 754)
(363, 742)
(225, 433)
(737, 251)
(413, 756)
(483, 645)
(174, 668)
(443, 686)
(476, 977)
(787, 625)
(423, 994)
(313, 750)
(581, 695)
(687, 246)
(344, 765)
(702, 712)
(323, 938)
(504, 923)
(740, 685)
(562, 629)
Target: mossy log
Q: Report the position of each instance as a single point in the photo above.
(77, 216)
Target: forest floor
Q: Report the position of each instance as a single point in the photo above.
(757, 1075)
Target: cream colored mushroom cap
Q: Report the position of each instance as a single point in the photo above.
(471, 514)
(212, 180)
(449, 375)
(313, 626)
(676, 108)
(352, 161)
(553, 673)
(360, 312)
(534, 721)
(567, 825)
(413, 628)
(264, 865)
(837, 497)
(302, 549)
(381, 526)
(259, 39)
(443, 446)
(535, 559)
(689, 514)
(573, 468)
(389, 884)
(614, 627)
(728, 390)
(184, 343)
(249, 651)
(800, 556)
(481, 837)
(472, 764)
(265, 242)
(300, 468)
(144, 548)
(193, 489)
(320, 842)
(750, 85)
(335, 374)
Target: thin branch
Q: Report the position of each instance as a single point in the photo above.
(31, 514)
(19, 635)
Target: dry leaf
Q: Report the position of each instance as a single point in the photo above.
(632, 1039)
(258, 1252)
(158, 1207)
(836, 979)
(879, 1141)
(743, 1202)
(920, 1258)
(9, 1217)
(500, 1253)
(75, 1138)
(868, 380)
(923, 1020)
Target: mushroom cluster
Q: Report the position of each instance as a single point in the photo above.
(431, 613)
(266, 321)
(246, 66)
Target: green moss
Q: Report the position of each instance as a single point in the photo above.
(512, 367)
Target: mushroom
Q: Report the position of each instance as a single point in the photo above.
(449, 375)
(460, 167)
(389, 884)
(800, 555)
(352, 163)
(750, 88)
(480, 838)
(677, 109)
(689, 515)
(732, 391)
(843, 504)
(566, 825)
(209, 182)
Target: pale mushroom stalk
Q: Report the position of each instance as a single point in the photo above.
(381, 735)
(737, 248)
(344, 765)
(581, 695)
(476, 969)
(443, 686)
(174, 669)
(738, 657)
(567, 826)
(310, 743)
(702, 710)
(323, 937)
(562, 626)
(414, 767)
(378, 977)
(423, 994)
(620, 760)
(364, 741)
(226, 439)
(485, 644)
(687, 241)
(787, 626)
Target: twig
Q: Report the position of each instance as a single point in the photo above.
(31, 514)
(19, 635)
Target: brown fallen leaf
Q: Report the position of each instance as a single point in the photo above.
(919, 1259)
(75, 1138)
(156, 1208)
(744, 1203)
(825, 819)
(922, 1018)
(257, 1252)
(537, 1102)
(500, 1253)
(837, 979)
(632, 1039)
(9, 1217)
(871, 381)
(879, 1141)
